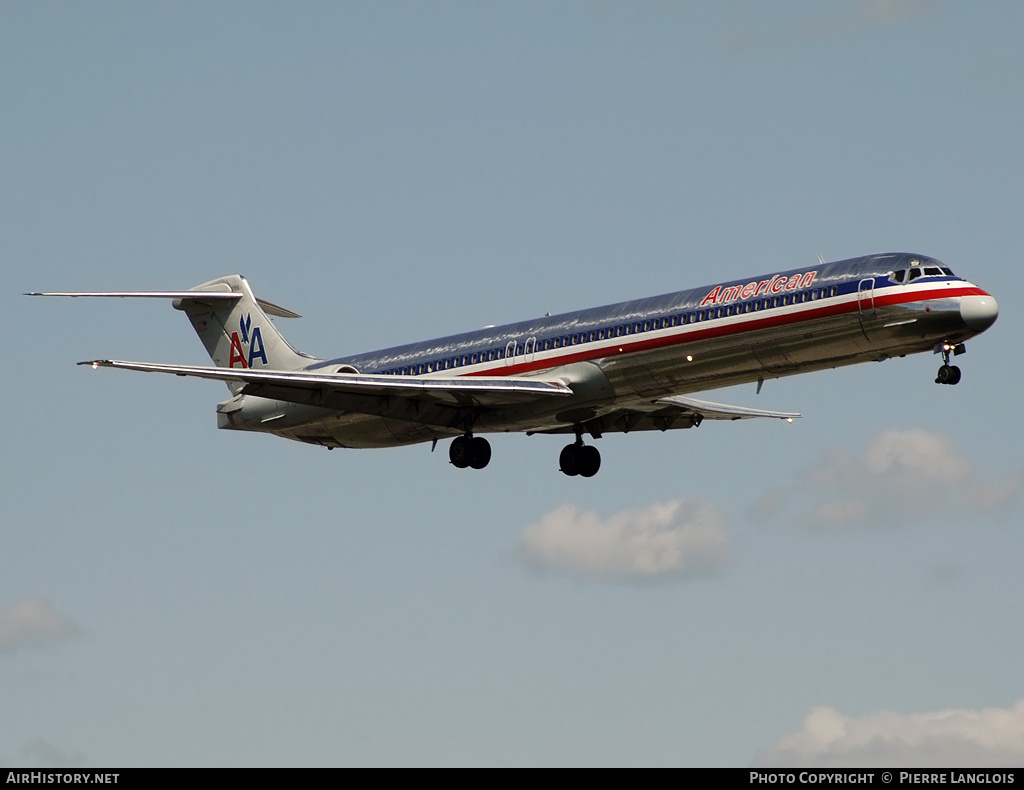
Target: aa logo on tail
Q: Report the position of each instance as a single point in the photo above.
(251, 337)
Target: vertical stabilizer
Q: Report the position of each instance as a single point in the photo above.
(236, 330)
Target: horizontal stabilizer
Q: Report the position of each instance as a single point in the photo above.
(146, 294)
(268, 307)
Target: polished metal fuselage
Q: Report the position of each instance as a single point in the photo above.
(636, 352)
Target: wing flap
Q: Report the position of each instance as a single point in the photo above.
(722, 411)
(664, 414)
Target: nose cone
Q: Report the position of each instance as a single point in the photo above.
(978, 312)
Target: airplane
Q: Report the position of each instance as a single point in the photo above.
(631, 366)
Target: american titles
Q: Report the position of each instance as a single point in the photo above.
(776, 284)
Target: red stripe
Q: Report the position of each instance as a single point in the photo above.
(689, 336)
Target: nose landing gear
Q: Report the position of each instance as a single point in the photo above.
(949, 374)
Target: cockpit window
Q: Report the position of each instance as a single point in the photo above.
(918, 270)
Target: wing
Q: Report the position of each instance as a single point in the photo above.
(665, 414)
(446, 401)
(434, 401)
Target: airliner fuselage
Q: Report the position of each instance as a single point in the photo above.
(622, 367)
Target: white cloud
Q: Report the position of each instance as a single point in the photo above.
(32, 623)
(675, 539)
(900, 477)
(990, 737)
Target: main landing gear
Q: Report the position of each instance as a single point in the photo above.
(474, 451)
(579, 459)
(949, 374)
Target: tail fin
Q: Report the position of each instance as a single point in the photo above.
(231, 322)
(233, 326)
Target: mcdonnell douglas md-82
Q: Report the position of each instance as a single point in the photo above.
(624, 367)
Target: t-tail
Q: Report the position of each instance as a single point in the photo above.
(235, 328)
(231, 322)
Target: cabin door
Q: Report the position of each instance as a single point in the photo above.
(866, 303)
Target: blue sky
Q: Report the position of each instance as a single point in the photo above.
(846, 589)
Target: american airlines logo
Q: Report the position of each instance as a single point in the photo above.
(776, 284)
(247, 336)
